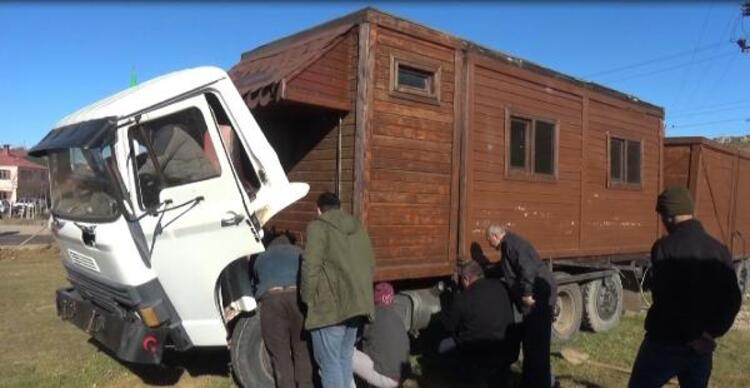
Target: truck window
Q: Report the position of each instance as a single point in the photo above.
(234, 149)
(80, 187)
(171, 151)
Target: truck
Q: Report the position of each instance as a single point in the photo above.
(162, 192)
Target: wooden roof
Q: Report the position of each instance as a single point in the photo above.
(688, 140)
(263, 72)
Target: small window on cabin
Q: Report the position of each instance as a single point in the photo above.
(415, 80)
(624, 162)
(519, 130)
(544, 148)
(532, 147)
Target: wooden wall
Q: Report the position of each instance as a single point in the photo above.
(576, 214)
(719, 180)
(410, 161)
(305, 135)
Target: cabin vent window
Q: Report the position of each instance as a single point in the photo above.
(415, 80)
(624, 161)
(532, 147)
(4, 174)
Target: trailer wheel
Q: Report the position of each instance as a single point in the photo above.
(251, 365)
(742, 268)
(568, 311)
(603, 303)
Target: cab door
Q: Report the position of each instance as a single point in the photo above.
(194, 218)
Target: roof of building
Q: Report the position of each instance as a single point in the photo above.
(315, 40)
(17, 159)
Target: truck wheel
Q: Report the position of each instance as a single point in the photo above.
(742, 268)
(603, 303)
(251, 365)
(568, 311)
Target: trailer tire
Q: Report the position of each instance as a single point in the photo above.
(251, 365)
(567, 312)
(603, 302)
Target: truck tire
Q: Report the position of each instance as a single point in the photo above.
(567, 311)
(251, 365)
(602, 300)
(742, 268)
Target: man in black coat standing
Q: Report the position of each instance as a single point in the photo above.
(695, 299)
(534, 291)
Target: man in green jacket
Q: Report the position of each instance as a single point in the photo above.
(336, 285)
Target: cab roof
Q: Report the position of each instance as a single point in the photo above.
(146, 94)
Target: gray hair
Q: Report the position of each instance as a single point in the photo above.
(472, 269)
(495, 229)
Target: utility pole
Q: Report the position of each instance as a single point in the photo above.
(742, 42)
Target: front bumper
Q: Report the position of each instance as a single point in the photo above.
(128, 339)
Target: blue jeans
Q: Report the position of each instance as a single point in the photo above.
(333, 347)
(656, 363)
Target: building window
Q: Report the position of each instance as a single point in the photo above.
(4, 174)
(532, 147)
(415, 80)
(5, 194)
(624, 161)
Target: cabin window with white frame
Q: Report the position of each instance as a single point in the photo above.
(532, 147)
(171, 151)
(415, 80)
(4, 175)
(624, 161)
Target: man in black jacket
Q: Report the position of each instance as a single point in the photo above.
(480, 321)
(533, 289)
(695, 299)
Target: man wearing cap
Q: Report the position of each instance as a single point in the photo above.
(336, 285)
(695, 299)
(385, 345)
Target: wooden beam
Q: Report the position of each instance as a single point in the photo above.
(459, 107)
(582, 183)
(365, 84)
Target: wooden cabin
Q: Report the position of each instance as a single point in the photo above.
(718, 177)
(428, 138)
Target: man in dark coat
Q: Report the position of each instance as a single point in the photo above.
(275, 275)
(483, 337)
(695, 299)
(336, 285)
(533, 289)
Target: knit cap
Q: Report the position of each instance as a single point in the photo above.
(383, 294)
(675, 200)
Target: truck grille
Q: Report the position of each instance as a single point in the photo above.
(83, 260)
(109, 297)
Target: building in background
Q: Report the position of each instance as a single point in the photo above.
(21, 177)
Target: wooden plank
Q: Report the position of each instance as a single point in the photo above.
(362, 119)
(581, 187)
(459, 119)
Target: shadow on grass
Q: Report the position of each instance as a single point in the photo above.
(202, 362)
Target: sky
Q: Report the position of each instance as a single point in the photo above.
(58, 57)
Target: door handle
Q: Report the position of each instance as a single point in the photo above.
(232, 219)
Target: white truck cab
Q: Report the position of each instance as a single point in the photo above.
(159, 194)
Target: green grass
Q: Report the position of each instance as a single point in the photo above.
(38, 349)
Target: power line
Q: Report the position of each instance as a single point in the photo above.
(745, 119)
(692, 57)
(720, 105)
(662, 70)
(655, 60)
(708, 112)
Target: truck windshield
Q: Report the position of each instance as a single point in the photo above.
(81, 187)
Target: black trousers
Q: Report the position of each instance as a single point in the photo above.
(282, 327)
(536, 336)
